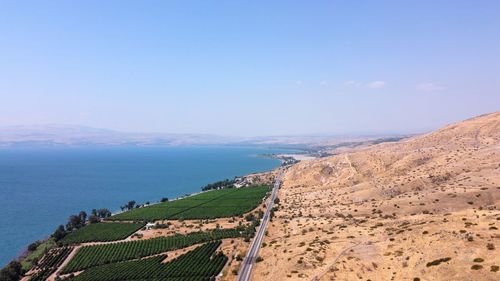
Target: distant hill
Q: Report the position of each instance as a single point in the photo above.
(82, 135)
(63, 135)
(425, 207)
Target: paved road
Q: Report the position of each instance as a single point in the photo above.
(247, 265)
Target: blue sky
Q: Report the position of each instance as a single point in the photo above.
(249, 67)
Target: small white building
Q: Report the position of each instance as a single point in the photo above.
(150, 225)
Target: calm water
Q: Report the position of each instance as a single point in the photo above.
(40, 188)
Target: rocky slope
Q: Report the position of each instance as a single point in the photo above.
(426, 208)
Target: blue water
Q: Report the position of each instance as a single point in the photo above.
(40, 188)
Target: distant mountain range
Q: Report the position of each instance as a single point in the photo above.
(64, 135)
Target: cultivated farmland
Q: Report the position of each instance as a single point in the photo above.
(90, 256)
(199, 264)
(207, 205)
(101, 232)
(49, 263)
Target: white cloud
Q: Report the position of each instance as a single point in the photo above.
(350, 83)
(429, 87)
(376, 84)
(323, 83)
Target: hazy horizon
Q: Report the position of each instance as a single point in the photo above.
(249, 68)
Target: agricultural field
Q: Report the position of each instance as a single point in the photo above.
(101, 232)
(200, 264)
(49, 262)
(207, 205)
(90, 256)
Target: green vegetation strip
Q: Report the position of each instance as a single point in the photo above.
(208, 205)
(199, 264)
(101, 232)
(90, 256)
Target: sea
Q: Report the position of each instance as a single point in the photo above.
(41, 187)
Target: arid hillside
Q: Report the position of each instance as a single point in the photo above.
(426, 208)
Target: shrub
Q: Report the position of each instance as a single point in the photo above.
(438, 261)
(476, 267)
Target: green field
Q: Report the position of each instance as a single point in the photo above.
(207, 205)
(101, 232)
(90, 256)
(199, 264)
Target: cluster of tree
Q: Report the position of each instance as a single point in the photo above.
(219, 185)
(129, 206)
(33, 246)
(12, 272)
(288, 161)
(78, 221)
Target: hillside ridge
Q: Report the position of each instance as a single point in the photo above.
(388, 211)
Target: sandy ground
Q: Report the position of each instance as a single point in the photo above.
(426, 208)
(188, 226)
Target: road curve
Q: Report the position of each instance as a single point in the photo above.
(246, 267)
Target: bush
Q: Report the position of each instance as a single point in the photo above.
(33, 246)
(476, 267)
(12, 272)
(438, 261)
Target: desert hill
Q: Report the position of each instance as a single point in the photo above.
(426, 208)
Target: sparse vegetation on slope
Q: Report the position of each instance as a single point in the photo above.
(423, 205)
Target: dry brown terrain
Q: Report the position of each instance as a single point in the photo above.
(425, 208)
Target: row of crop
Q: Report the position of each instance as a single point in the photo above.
(101, 232)
(168, 209)
(90, 256)
(213, 204)
(199, 264)
(50, 262)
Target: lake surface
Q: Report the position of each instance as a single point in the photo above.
(40, 188)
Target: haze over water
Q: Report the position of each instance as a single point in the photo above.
(40, 188)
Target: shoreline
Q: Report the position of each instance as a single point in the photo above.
(24, 256)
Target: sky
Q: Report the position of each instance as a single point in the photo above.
(249, 68)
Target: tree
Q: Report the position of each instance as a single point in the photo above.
(12, 272)
(103, 213)
(94, 212)
(74, 222)
(93, 219)
(164, 199)
(59, 233)
(83, 216)
(130, 205)
(250, 217)
(33, 246)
